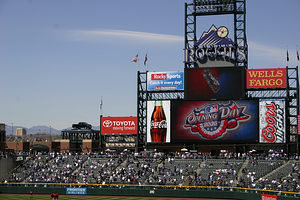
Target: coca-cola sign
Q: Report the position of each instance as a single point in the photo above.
(234, 120)
(158, 121)
(272, 121)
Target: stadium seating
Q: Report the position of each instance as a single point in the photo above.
(182, 169)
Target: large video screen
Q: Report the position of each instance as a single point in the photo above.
(232, 121)
(214, 83)
(119, 125)
(272, 121)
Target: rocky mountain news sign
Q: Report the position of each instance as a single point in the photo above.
(165, 81)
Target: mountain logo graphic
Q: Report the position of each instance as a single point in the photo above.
(211, 38)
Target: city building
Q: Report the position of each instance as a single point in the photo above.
(21, 132)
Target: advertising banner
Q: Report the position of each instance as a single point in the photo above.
(214, 83)
(298, 124)
(158, 121)
(119, 125)
(266, 78)
(268, 197)
(234, 121)
(272, 121)
(165, 81)
(76, 191)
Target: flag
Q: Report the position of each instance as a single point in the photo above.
(100, 105)
(287, 56)
(297, 54)
(136, 58)
(146, 58)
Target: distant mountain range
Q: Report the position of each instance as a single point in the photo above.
(39, 129)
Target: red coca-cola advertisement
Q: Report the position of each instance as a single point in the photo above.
(158, 121)
(119, 125)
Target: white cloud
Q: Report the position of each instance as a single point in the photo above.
(107, 35)
(266, 52)
(270, 56)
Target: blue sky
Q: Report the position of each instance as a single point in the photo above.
(58, 57)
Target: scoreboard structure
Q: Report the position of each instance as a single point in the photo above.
(223, 102)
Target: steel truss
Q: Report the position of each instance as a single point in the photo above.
(144, 96)
(217, 7)
(197, 8)
(220, 7)
(120, 141)
(80, 134)
(291, 94)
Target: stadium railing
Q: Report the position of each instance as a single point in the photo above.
(151, 190)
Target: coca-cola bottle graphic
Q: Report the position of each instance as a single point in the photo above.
(158, 124)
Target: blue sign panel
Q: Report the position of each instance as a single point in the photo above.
(165, 81)
(76, 191)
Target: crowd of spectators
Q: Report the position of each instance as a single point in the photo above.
(268, 171)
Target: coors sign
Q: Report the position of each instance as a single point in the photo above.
(158, 124)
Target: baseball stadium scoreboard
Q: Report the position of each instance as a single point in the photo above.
(215, 109)
(216, 99)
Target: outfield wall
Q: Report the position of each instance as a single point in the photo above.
(6, 164)
(147, 191)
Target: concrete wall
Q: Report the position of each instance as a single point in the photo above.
(6, 164)
(142, 191)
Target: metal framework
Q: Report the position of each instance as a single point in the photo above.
(142, 97)
(291, 94)
(192, 10)
(120, 141)
(80, 134)
(217, 7)
(220, 7)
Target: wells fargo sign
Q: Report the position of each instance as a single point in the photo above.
(266, 78)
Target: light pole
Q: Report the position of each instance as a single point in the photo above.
(50, 134)
(12, 128)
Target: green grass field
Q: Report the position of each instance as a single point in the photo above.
(79, 197)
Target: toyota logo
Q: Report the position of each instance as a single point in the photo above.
(107, 123)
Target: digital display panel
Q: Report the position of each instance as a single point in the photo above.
(272, 121)
(214, 83)
(232, 121)
(118, 125)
